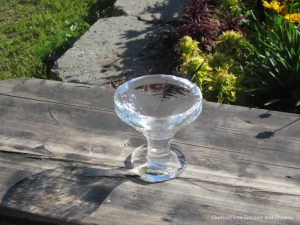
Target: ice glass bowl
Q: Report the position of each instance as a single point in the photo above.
(158, 106)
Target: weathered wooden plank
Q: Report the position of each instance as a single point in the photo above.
(233, 117)
(244, 170)
(234, 167)
(67, 160)
(211, 166)
(59, 92)
(97, 147)
(65, 192)
(39, 131)
(87, 119)
(193, 177)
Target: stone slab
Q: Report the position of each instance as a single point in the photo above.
(149, 10)
(113, 48)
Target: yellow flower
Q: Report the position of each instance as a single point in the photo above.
(294, 17)
(267, 5)
(274, 5)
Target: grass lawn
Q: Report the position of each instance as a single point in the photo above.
(33, 33)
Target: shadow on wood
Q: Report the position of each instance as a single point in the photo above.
(265, 134)
(62, 192)
(13, 217)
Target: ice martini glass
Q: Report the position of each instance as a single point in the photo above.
(158, 106)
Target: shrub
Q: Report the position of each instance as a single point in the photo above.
(236, 52)
(216, 82)
(193, 64)
(221, 86)
(233, 44)
(202, 21)
(232, 6)
(263, 72)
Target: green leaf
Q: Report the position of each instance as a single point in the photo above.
(273, 101)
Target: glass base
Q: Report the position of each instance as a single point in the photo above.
(157, 168)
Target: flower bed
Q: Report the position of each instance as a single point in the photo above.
(242, 52)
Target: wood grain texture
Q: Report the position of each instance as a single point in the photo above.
(64, 157)
(234, 117)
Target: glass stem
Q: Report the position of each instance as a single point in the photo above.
(158, 148)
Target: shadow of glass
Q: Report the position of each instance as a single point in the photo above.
(70, 193)
(12, 217)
